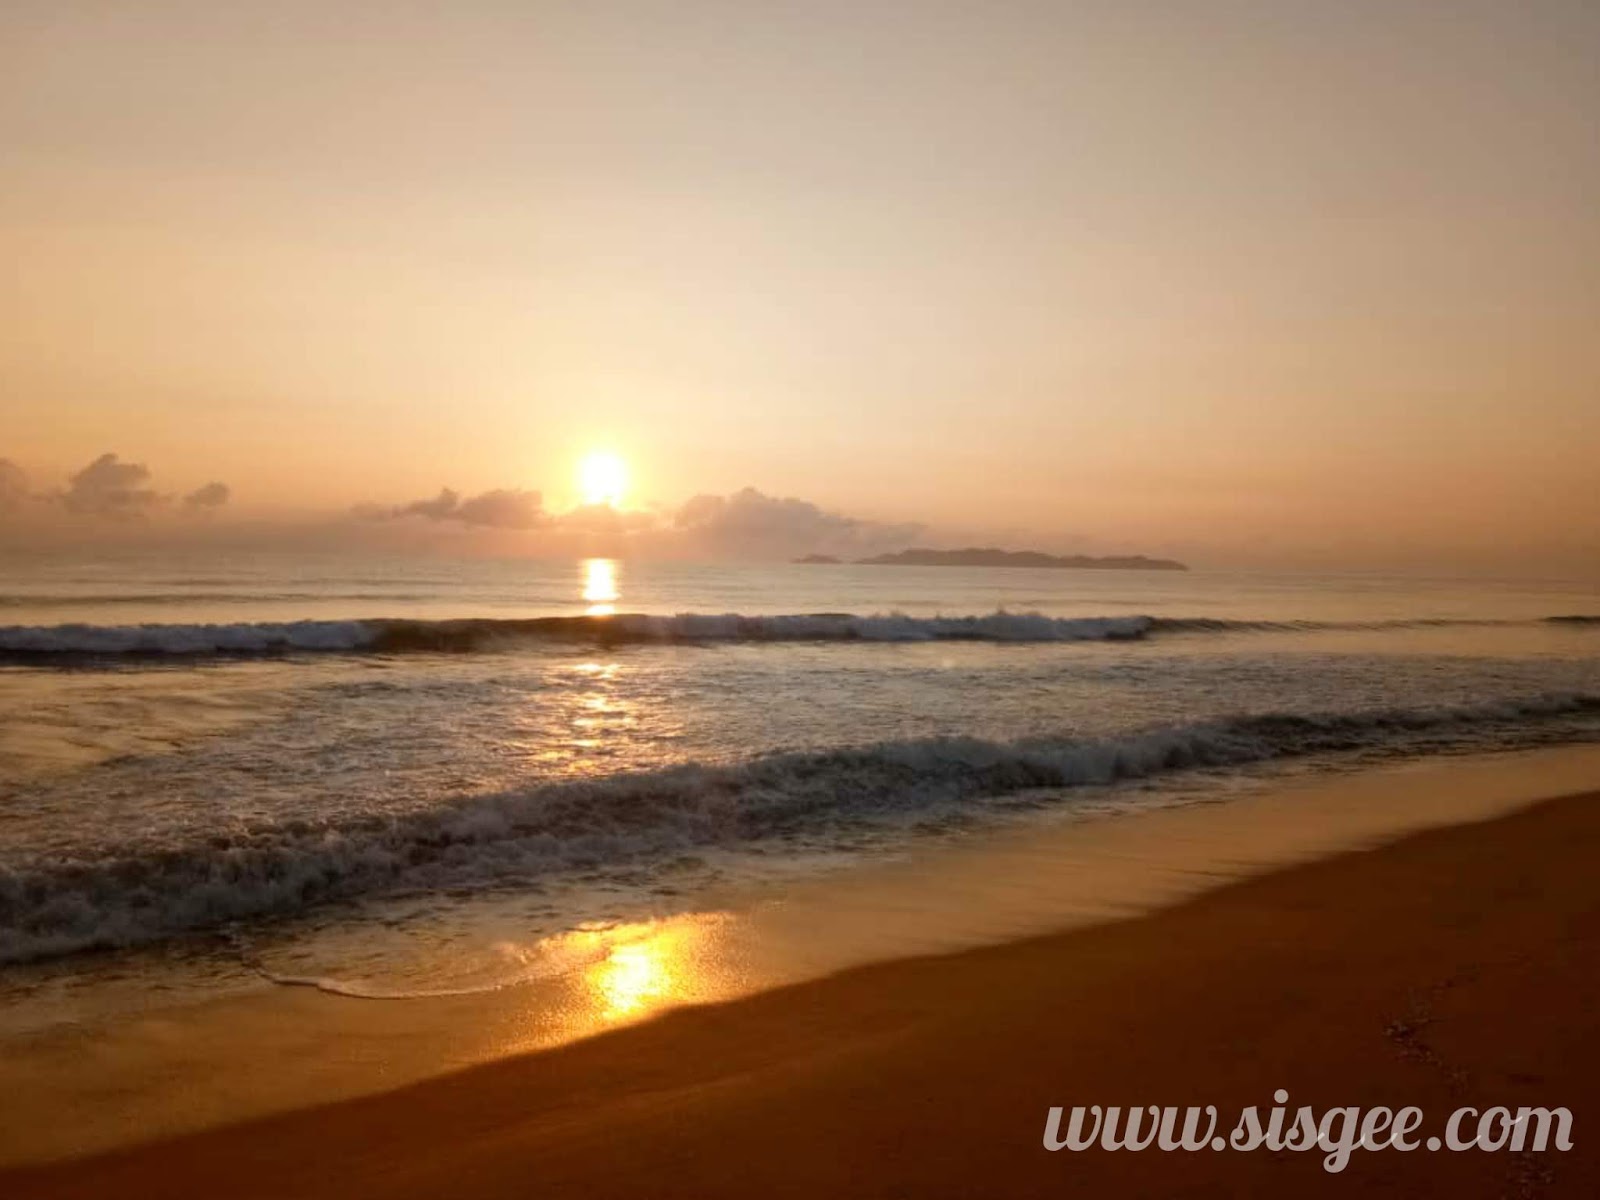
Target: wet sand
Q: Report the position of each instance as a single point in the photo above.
(1457, 966)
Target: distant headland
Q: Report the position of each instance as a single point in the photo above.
(990, 557)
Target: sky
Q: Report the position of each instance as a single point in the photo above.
(1274, 283)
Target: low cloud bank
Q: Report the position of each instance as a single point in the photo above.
(108, 489)
(208, 498)
(747, 523)
(752, 522)
(112, 497)
(13, 486)
(500, 508)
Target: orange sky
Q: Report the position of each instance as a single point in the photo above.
(1246, 282)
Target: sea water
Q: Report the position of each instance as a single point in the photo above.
(377, 774)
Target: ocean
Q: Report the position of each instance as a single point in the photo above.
(394, 778)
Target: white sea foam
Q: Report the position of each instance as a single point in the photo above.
(51, 906)
(892, 627)
(160, 640)
(394, 636)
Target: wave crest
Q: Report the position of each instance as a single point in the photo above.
(44, 644)
(52, 907)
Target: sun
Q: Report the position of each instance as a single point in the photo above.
(602, 478)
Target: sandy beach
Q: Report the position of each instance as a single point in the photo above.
(1453, 967)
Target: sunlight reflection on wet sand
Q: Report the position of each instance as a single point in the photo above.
(635, 970)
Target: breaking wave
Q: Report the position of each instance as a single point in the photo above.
(54, 906)
(45, 643)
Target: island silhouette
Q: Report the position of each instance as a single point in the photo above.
(989, 556)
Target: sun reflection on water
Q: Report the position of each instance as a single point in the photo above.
(600, 586)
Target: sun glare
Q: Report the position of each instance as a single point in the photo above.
(600, 586)
(602, 478)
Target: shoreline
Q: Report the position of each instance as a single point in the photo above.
(1373, 929)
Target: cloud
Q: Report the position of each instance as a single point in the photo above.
(751, 522)
(207, 498)
(604, 519)
(109, 487)
(13, 486)
(501, 508)
(440, 508)
(747, 524)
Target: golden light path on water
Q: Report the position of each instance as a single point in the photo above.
(600, 586)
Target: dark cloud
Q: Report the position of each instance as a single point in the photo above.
(109, 487)
(13, 486)
(501, 508)
(207, 498)
(751, 522)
